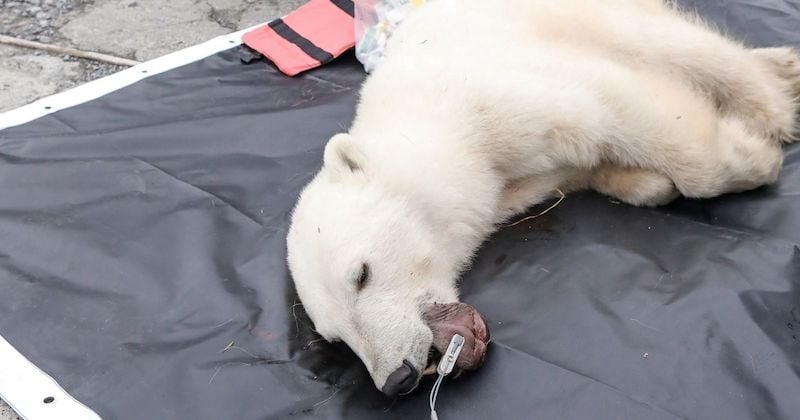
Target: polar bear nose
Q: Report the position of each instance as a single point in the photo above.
(402, 381)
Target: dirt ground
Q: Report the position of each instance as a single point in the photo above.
(135, 29)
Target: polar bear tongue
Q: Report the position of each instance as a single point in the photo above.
(447, 319)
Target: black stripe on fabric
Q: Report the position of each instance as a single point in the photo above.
(346, 5)
(281, 28)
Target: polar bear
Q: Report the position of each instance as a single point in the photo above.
(482, 109)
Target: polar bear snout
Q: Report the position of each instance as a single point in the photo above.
(445, 320)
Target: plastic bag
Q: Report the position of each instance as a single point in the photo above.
(375, 21)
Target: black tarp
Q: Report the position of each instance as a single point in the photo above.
(143, 232)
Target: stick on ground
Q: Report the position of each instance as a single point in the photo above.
(17, 42)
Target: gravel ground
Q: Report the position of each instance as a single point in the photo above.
(6, 413)
(39, 20)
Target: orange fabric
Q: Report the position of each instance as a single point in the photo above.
(288, 57)
(324, 24)
(320, 22)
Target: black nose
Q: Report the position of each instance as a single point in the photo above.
(401, 381)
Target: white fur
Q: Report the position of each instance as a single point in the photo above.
(484, 108)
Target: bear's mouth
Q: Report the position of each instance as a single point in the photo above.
(448, 319)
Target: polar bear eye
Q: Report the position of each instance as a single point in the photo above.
(363, 276)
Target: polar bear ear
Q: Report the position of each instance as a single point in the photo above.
(343, 157)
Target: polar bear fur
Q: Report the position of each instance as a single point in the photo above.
(482, 109)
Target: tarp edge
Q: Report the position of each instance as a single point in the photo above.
(34, 394)
(100, 87)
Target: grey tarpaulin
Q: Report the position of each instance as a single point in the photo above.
(143, 232)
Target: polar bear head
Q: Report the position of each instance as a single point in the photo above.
(366, 264)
